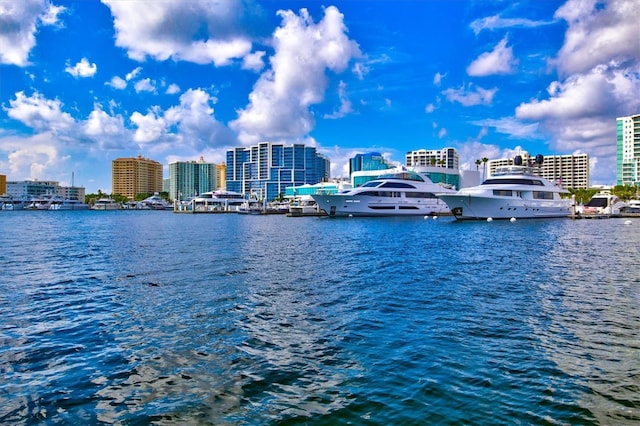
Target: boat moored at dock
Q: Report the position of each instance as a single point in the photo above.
(511, 192)
(402, 193)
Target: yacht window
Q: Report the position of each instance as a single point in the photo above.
(503, 192)
(396, 185)
(419, 195)
(513, 181)
(371, 184)
(542, 195)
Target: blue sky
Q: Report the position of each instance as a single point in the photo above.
(85, 82)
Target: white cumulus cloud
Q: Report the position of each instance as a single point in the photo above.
(304, 51)
(499, 61)
(202, 32)
(82, 69)
(19, 22)
(470, 95)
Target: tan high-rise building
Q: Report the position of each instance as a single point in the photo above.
(221, 176)
(3, 184)
(570, 171)
(131, 176)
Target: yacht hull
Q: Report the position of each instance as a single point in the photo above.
(469, 207)
(340, 205)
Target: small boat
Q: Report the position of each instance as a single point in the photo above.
(252, 206)
(631, 210)
(8, 202)
(59, 203)
(106, 204)
(401, 193)
(219, 201)
(511, 192)
(155, 202)
(305, 205)
(603, 204)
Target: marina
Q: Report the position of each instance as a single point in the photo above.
(231, 319)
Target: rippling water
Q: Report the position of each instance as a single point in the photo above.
(152, 317)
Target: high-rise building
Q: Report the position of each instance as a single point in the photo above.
(3, 184)
(365, 167)
(628, 150)
(138, 175)
(445, 157)
(221, 176)
(570, 171)
(191, 178)
(369, 161)
(266, 169)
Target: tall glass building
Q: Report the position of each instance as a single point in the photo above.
(266, 169)
(628, 150)
(191, 178)
(368, 162)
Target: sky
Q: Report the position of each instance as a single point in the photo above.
(85, 82)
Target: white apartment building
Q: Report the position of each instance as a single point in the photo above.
(571, 171)
(628, 150)
(445, 157)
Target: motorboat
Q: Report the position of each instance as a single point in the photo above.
(155, 202)
(251, 206)
(603, 204)
(305, 205)
(512, 191)
(631, 210)
(59, 203)
(106, 204)
(400, 193)
(54, 202)
(8, 202)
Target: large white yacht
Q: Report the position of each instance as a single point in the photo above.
(402, 193)
(511, 192)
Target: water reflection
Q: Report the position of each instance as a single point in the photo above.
(590, 324)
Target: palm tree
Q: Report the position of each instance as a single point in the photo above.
(484, 171)
(478, 162)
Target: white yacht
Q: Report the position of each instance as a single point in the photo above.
(604, 204)
(59, 203)
(8, 202)
(217, 201)
(305, 205)
(106, 204)
(511, 192)
(402, 193)
(155, 202)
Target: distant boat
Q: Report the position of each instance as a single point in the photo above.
(106, 204)
(155, 202)
(251, 207)
(604, 204)
(511, 192)
(215, 201)
(305, 205)
(8, 202)
(54, 202)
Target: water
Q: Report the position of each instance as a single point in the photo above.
(152, 317)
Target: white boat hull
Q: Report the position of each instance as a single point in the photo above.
(469, 207)
(341, 205)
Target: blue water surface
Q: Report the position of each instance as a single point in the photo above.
(145, 317)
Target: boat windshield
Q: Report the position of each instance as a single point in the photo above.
(404, 176)
(513, 181)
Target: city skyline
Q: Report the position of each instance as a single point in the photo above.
(175, 83)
